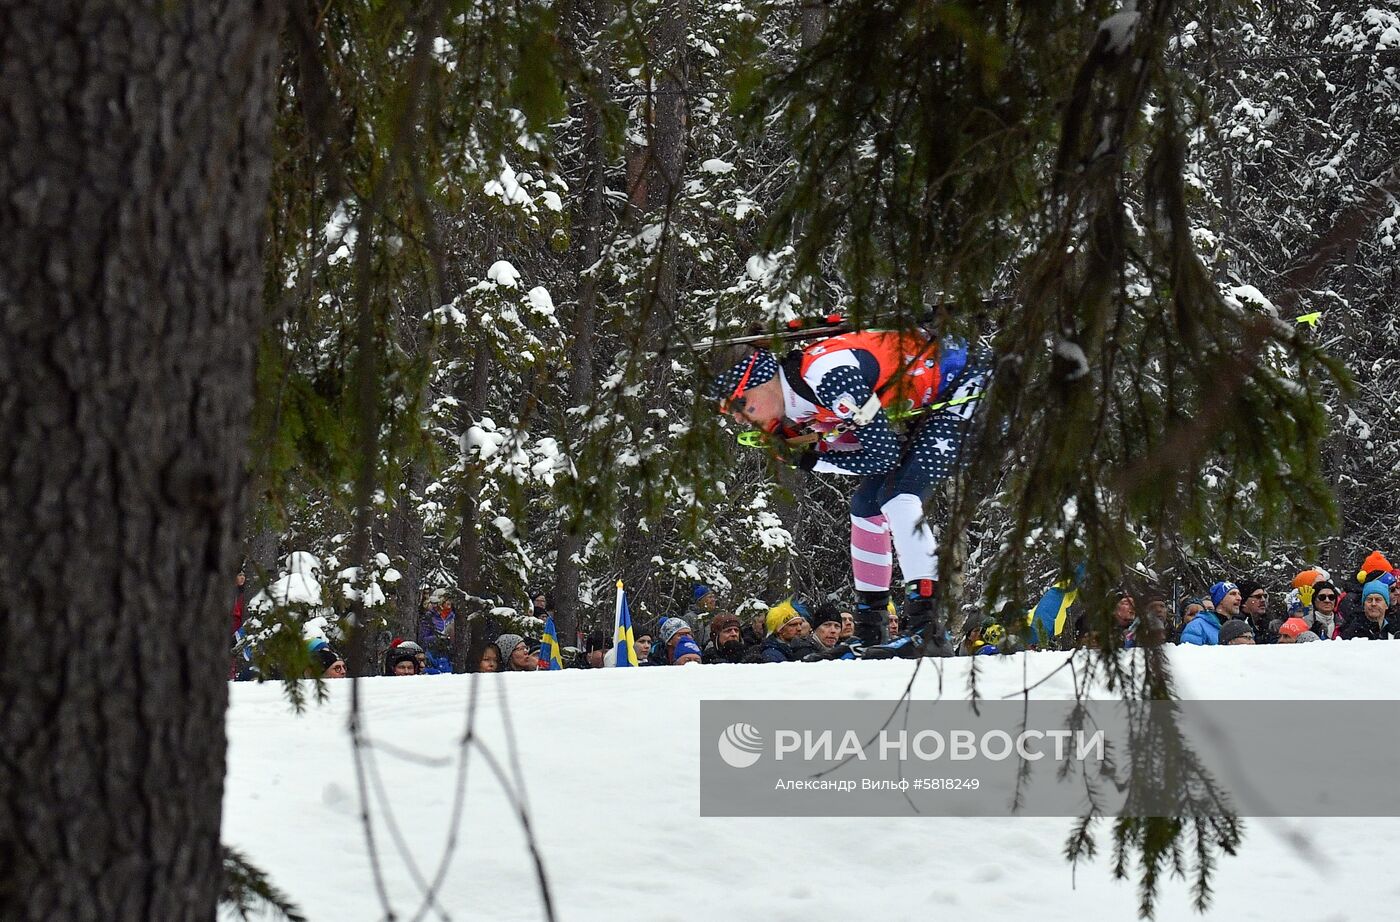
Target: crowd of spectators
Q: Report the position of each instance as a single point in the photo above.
(1248, 611)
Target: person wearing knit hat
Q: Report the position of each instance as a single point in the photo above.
(1288, 631)
(833, 395)
(826, 625)
(783, 625)
(670, 627)
(1235, 632)
(699, 610)
(783, 615)
(823, 642)
(401, 660)
(515, 655)
(684, 650)
(1220, 596)
(678, 642)
(1375, 620)
(329, 661)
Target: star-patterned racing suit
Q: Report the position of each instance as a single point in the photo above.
(847, 386)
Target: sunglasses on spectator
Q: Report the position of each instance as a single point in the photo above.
(1326, 597)
(1261, 594)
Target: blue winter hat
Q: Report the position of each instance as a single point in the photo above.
(685, 645)
(700, 591)
(1375, 587)
(1220, 590)
(760, 367)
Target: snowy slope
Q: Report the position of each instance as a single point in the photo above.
(610, 764)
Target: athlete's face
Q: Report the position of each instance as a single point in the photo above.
(760, 407)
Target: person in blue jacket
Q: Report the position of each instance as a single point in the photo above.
(1204, 629)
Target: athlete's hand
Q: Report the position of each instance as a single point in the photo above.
(807, 460)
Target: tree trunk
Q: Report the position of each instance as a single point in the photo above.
(260, 555)
(469, 545)
(134, 160)
(589, 218)
(406, 548)
(657, 184)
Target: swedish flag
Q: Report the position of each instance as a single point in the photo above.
(622, 631)
(1047, 619)
(549, 646)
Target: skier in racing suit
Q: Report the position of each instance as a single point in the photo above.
(846, 387)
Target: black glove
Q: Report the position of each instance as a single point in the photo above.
(808, 460)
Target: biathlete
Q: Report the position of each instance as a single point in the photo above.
(845, 389)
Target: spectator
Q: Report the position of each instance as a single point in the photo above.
(848, 625)
(237, 633)
(1187, 609)
(726, 643)
(982, 634)
(700, 611)
(515, 654)
(327, 660)
(1254, 604)
(1227, 606)
(1375, 566)
(595, 648)
(755, 630)
(823, 643)
(1204, 628)
(1155, 624)
(1325, 599)
(401, 660)
(784, 624)
(238, 582)
(678, 642)
(1289, 631)
(1236, 632)
(1125, 618)
(444, 618)
(641, 643)
(419, 656)
(826, 627)
(892, 622)
(484, 657)
(1374, 621)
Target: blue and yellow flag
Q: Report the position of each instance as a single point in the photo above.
(622, 631)
(549, 646)
(1047, 619)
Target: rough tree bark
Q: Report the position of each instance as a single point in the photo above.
(405, 525)
(469, 544)
(594, 15)
(655, 173)
(134, 167)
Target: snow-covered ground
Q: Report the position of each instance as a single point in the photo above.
(609, 763)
